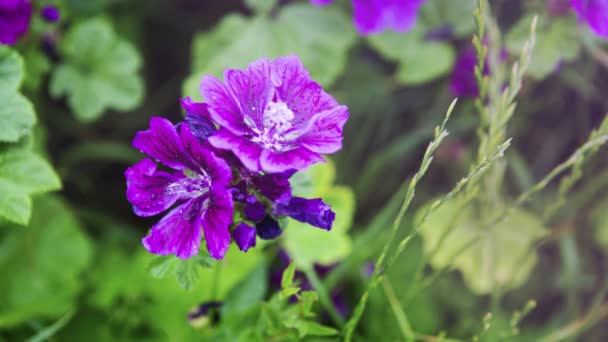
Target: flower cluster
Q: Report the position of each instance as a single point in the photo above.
(232, 157)
(375, 16)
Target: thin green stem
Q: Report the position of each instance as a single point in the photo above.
(402, 321)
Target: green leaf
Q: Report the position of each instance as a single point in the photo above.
(319, 36)
(556, 41)
(599, 218)
(161, 265)
(248, 292)
(287, 277)
(307, 244)
(419, 61)
(44, 264)
(187, 274)
(16, 113)
(97, 74)
(311, 328)
(457, 15)
(498, 258)
(22, 173)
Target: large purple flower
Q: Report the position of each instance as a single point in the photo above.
(273, 116)
(198, 185)
(15, 18)
(595, 13)
(375, 16)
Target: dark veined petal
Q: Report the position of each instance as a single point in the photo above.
(298, 158)
(216, 219)
(223, 107)
(162, 143)
(244, 236)
(252, 90)
(198, 118)
(146, 188)
(268, 228)
(179, 232)
(207, 162)
(312, 211)
(247, 151)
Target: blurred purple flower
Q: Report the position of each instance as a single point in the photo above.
(273, 116)
(244, 236)
(50, 13)
(594, 13)
(463, 82)
(198, 186)
(558, 8)
(312, 211)
(15, 18)
(375, 16)
(321, 2)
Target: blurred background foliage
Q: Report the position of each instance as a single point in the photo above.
(73, 94)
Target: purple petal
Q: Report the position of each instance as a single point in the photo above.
(252, 90)
(268, 228)
(50, 13)
(255, 211)
(223, 108)
(15, 16)
(146, 188)
(595, 13)
(207, 162)
(248, 152)
(374, 16)
(299, 158)
(216, 219)
(275, 186)
(244, 236)
(312, 211)
(179, 232)
(162, 142)
(198, 118)
(324, 132)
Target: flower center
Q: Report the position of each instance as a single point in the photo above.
(277, 121)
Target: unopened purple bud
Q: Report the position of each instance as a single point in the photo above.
(312, 211)
(255, 211)
(50, 13)
(268, 228)
(244, 236)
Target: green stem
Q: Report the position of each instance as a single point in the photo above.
(317, 285)
(404, 324)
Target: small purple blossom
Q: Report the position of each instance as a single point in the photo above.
(594, 13)
(197, 186)
(244, 236)
(273, 116)
(255, 211)
(312, 211)
(375, 16)
(15, 16)
(50, 13)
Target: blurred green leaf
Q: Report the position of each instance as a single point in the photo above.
(319, 36)
(456, 15)
(261, 6)
(287, 277)
(187, 274)
(556, 41)
(311, 328)
(97, 74)
(419, 61)
(497, 256)
(599, 218)
(16, 113)
(307, 244)
(42, 265)
(248, 292)
(22, 174)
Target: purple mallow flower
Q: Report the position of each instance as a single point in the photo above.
(312, 211)
(15, 18)
(50, 13)
(375, 16)
(594, 13)
(273, 116)
(198, 186)
(244, 236)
